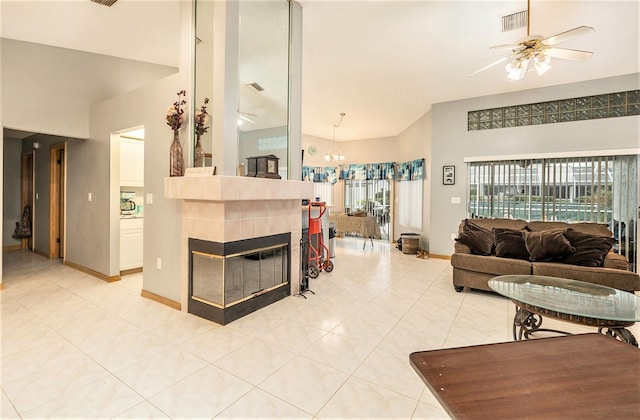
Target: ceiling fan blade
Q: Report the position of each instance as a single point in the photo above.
(506, 47)
(566, 54)
(495, 63)
(567, 35)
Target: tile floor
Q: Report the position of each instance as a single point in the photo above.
(76, 347)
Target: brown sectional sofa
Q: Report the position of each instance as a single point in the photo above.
(474, 271)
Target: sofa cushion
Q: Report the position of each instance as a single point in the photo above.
(618, 279)
(490, 264)
(489, 224)
(547, 245)
(479, 239)
(590, 249)
(613, 260)
(510, 244)
(599, 229)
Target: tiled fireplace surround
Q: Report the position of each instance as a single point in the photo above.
(231, 208)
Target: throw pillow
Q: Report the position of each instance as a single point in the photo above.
(510, 244)
(547, 245)
(590, 249)
(478, 239)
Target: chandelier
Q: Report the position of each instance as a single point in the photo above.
(335, 155)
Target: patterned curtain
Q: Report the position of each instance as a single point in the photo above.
(367, 171)
(319, 174)
(411, 171)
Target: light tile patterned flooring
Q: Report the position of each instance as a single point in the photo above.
(76, 347)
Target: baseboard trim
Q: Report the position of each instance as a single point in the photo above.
(130, 271)
(442, 257)
(108, 279)
(161, 299)
(17, 247)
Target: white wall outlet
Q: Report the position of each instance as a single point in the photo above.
(149, 198)
(455, 200)
(89, 197)
(453, 236)
(159, 263)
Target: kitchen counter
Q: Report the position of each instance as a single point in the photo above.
(131, 216)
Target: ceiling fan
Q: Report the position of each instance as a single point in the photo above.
(540, 50)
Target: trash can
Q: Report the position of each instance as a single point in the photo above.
(410, 243)
(332, 239)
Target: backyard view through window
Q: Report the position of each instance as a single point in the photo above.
(601, 189)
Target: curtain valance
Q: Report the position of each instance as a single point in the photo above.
(358, 172)
(319, 174)
(368, 171)
(411, 171)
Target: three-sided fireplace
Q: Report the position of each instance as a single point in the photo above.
(230, 280)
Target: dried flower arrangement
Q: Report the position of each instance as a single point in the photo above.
(201, 118)
(175, 114)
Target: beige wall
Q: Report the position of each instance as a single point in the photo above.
(143, 107)
(56, 102)
(415, 143)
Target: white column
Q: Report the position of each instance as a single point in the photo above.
(225, 86)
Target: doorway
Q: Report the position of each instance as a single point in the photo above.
(26, 193)
(57, 189)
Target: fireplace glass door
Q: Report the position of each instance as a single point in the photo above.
(223, 281)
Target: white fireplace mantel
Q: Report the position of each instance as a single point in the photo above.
(200, 186)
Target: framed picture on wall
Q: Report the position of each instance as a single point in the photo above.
(448, 175)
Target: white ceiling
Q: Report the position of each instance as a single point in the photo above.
(383, 63)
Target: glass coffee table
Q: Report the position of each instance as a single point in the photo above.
(608, 309)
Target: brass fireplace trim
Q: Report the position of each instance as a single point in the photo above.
(258, 293)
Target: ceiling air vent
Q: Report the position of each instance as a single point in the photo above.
(514, 21)
(108, 3)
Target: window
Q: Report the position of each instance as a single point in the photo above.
(272, 143)
(602, 189)
(324, 190)
(372, 196)
(410, 204)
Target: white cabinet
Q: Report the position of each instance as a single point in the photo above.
(130, 243)
(131, 162)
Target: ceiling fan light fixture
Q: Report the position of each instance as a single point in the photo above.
(542, 64)
(539, 49)
(517, 68)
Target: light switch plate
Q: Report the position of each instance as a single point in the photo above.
(149, 198)
(455, 200)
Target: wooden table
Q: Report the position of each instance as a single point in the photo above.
(366, 226)
(578, 376)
